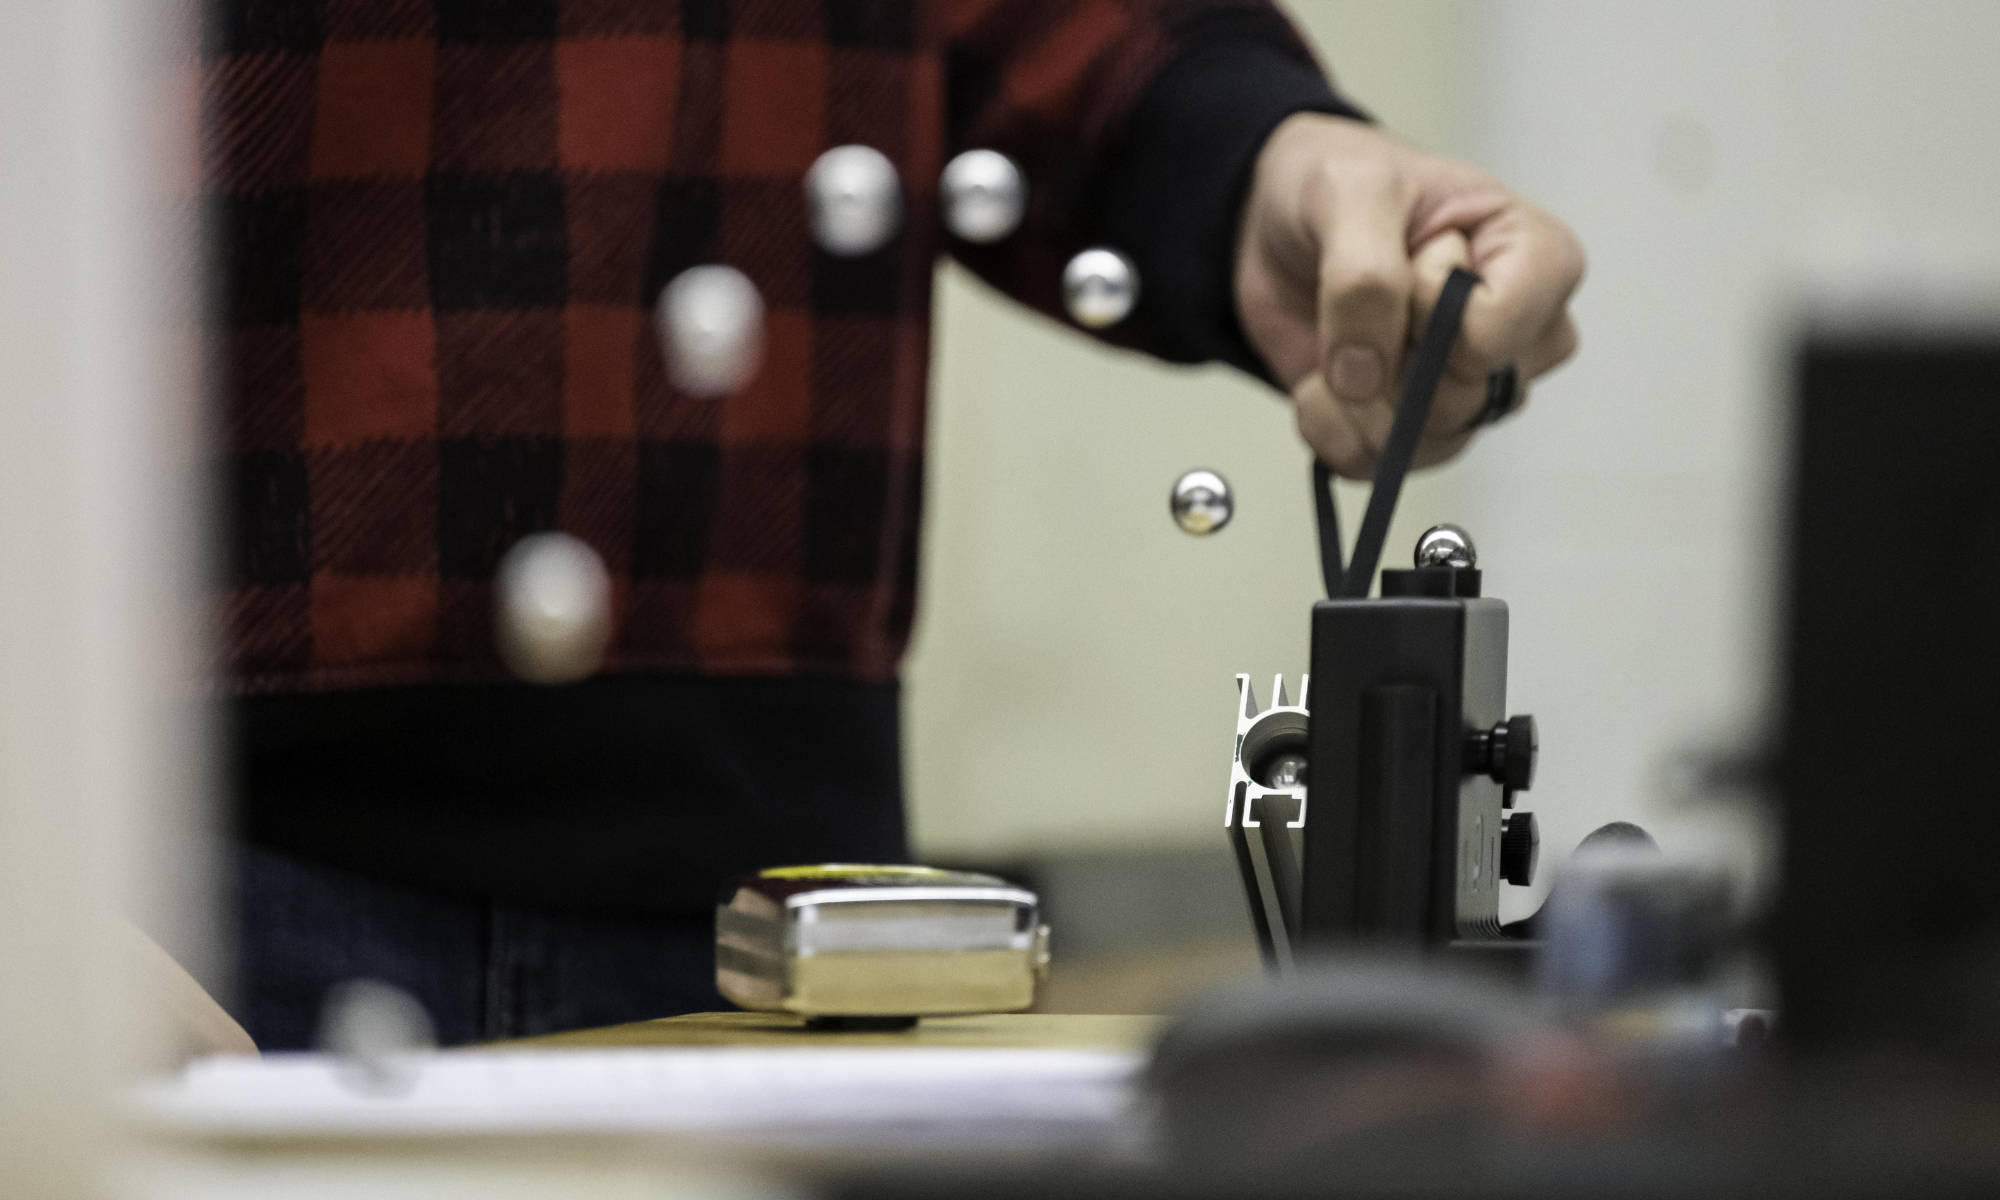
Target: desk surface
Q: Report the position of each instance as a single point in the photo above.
(1039, 1031)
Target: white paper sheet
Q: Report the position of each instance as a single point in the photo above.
(805, 1094)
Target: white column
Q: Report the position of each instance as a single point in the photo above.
(98, 634)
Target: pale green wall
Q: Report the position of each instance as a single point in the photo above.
(1072, 685)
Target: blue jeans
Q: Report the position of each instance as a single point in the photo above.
(483, 969)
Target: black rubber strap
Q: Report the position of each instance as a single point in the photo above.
(1413, 411)
(1329, 529)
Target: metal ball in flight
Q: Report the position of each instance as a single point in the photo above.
(1202, 502)
(710, 321)
(856, 200)
(1446, 546)
(983, 195)
(552, 599)
(375, 1033)
(1100, 287)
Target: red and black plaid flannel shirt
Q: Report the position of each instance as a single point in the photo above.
(442, 224)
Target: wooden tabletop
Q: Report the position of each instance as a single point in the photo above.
(1000, 1030)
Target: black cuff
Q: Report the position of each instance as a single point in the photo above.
(1171, 193)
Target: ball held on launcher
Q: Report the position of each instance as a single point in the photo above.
(856, 200)
(553, 608)
(983, 196)
(710, 320)
(1100, 287)
(1202, 502)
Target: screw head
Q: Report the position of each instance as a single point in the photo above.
(1520, 848)
(1517, 750)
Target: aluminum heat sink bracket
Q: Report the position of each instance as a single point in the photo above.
(1265, 812)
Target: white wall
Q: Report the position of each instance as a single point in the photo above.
(1730, 166)
(1724, 162)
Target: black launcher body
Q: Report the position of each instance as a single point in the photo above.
(1414, 763)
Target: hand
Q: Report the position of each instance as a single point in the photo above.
(1347, 236)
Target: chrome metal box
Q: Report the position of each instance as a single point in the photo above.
(839, 940)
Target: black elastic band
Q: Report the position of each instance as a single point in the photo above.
(1328, 522)
(1413, 411)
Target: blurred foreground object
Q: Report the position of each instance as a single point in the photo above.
(1202, 502)
(1886, 934)
(376, 1032)
(856, 200)
(553, 597)
(984, 196)
(878, 946)
(1100, 287)
(103, 620)
(1634, 941)
(1393, 1066)
(710, 321)
(196, 1025)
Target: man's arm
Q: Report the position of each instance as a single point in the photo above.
(1272, 227)
(1346, 238)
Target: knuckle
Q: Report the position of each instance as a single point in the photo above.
(1567, 343)
(1370, 287)
(1366, 175)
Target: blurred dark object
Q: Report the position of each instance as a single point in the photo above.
(1612, 833)
(1636, 941)
(1413, 761)
(1887, 929)
(1396, 1066)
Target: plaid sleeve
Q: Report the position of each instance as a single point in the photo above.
(1137, 123)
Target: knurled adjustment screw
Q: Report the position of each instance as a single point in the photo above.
(1520, 848)
(1511, 751)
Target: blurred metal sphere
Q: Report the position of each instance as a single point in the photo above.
(856, 200)
(710, 322)
(375, 1032)
(1202, 502)
(552, 597)
(983, 194)
(1100, 287)
(1446, 546)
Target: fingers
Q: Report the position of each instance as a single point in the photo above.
(1459, 397)
(1332, 430)
(1529, 265)
(1552, 350)
(1432, 264)
(1365, 279)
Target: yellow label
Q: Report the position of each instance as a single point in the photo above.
(853, 872)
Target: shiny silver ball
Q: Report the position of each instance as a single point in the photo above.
(1202, 502)
(710, 321)
(856, 200)
(1100, 287)
(983, 194)
(1446, 546)
(552, 597)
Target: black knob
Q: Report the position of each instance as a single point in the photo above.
(1511, 751)
(1520, 848)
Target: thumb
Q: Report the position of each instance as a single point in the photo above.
(1365, 284)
